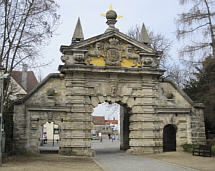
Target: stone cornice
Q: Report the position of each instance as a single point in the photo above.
(109, 69)
(48, 108)
(164, 110)
(146, 49)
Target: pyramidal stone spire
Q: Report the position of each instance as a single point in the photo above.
(78, 33)
(144, 37)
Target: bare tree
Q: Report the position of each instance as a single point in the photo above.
(25, 26)
(177, 71)
(158, 42)
(197, 25)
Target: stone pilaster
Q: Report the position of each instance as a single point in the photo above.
(75, 138)
(19, 131)
(143, 123)
(198, 125)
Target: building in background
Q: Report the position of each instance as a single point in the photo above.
(113, 124)
(51, 131)
(22, 82)
(98, 123)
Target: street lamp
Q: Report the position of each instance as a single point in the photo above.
(4, 76)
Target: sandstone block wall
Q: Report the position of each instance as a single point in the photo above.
(68, 99)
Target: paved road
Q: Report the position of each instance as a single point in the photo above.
(110, 158)
(49, 147)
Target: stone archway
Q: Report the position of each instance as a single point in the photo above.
(114, 68)
(123, 120)
(169, 138)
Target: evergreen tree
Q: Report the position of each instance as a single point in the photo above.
(202, 88)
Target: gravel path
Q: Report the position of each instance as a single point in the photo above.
(49, 162)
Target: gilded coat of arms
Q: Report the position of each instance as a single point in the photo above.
(113, 52)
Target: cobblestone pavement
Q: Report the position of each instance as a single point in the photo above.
(110, 158)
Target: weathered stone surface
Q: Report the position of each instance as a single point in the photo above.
(76, 125)
(142, 109)
(94, 101)
(113, 68)
(75, 134)
(74, 143)
(101, 99)
(142, 142)
(144, 117)
(79, 117)
(142, 134)
(141, 126)
(143, 93)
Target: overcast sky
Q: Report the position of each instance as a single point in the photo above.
(158, 15)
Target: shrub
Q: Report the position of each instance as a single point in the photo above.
(187, 147)
(213, 150)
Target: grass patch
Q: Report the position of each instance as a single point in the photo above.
(213, 150)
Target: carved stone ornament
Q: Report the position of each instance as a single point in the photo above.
(129, 52)
(130, 55)
(149, 62)
(114, 88)
(50, 116)
(96, 52)
(68, 59)
(64, 58)
(50, 92)
(79, 58)
(74, 56)
(113, 52)
(167, 94)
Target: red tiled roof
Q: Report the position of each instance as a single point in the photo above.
(99, 120)
(31, 79)
(112, 121)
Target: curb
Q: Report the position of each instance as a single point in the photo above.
(98, 163)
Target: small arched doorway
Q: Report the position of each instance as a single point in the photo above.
(49, 138)
(169, 138)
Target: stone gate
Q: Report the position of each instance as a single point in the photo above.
(115, 68)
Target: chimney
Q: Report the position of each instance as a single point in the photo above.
(24, 76)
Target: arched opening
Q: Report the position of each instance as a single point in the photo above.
(110, 128)
(169, 138)
(49, 138)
